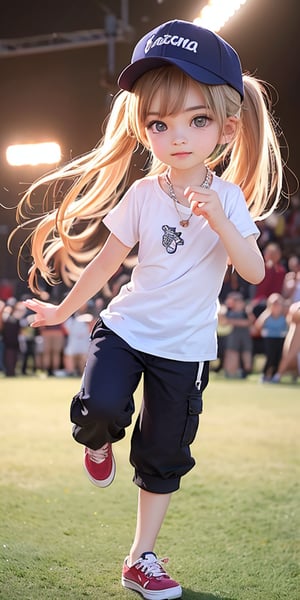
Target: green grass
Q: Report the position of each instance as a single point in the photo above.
(232, 531)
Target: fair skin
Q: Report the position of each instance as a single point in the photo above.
(182, 141)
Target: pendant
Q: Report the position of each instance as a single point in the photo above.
(184, 223)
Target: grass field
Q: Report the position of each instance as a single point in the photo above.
(232, 531)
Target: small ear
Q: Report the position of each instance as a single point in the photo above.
(229, 130)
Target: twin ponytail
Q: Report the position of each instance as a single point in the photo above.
(255, 161)
(71, 203)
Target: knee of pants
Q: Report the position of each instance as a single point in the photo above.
(86, 410)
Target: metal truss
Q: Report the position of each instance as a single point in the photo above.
(62, 41)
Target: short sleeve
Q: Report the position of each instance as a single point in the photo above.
(123, 219)
(237, 211)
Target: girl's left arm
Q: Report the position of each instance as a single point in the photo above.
(243, 253)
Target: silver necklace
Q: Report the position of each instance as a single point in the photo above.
(205, 184)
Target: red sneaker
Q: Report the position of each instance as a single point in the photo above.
(148, 577)
(100, 465)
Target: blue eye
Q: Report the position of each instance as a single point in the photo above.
(200, 121)
(157, 126)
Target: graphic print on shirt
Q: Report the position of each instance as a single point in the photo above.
(171, 239)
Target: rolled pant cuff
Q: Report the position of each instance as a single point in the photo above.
(156, 485)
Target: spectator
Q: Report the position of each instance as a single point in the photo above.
(50, 345)
(272, 283)
(6, 290)
(27, 346)
(10, 324)
(53, 340)
(293, 218)
(274, 277)
(223, 330)
(238, 351)
(291, 283)
(78, 328)
(272, 325)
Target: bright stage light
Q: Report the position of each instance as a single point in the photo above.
(33, 154)
(216, 13)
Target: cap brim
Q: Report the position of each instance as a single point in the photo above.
(134, 71)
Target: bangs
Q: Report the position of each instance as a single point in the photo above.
(169, 85)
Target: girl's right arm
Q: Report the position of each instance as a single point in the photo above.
(92, 279)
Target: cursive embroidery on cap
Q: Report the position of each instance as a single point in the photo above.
(174, 40)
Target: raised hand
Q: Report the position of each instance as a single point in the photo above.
(206, 203)
(46, 313)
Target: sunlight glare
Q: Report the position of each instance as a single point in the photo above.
(216, 13)
(33, 154)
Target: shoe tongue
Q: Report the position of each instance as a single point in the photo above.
(149, 556)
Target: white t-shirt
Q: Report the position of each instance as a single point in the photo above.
(169, 308)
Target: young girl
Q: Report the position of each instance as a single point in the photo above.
(185, 101)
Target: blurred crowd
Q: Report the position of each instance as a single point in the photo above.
(59, 350)
(258, 326)
(261, 320)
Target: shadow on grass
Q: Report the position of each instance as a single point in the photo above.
(190, 595)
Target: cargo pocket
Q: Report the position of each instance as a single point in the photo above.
(194, 409)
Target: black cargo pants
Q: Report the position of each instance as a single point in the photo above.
(169, 414)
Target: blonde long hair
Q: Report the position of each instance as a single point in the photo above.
(67, 236)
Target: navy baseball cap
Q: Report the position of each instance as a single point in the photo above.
(199, 52)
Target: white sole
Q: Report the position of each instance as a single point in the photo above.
(170, 594)
(104, 482)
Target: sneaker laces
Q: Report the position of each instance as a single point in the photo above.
(98, 456)
(152, 567)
